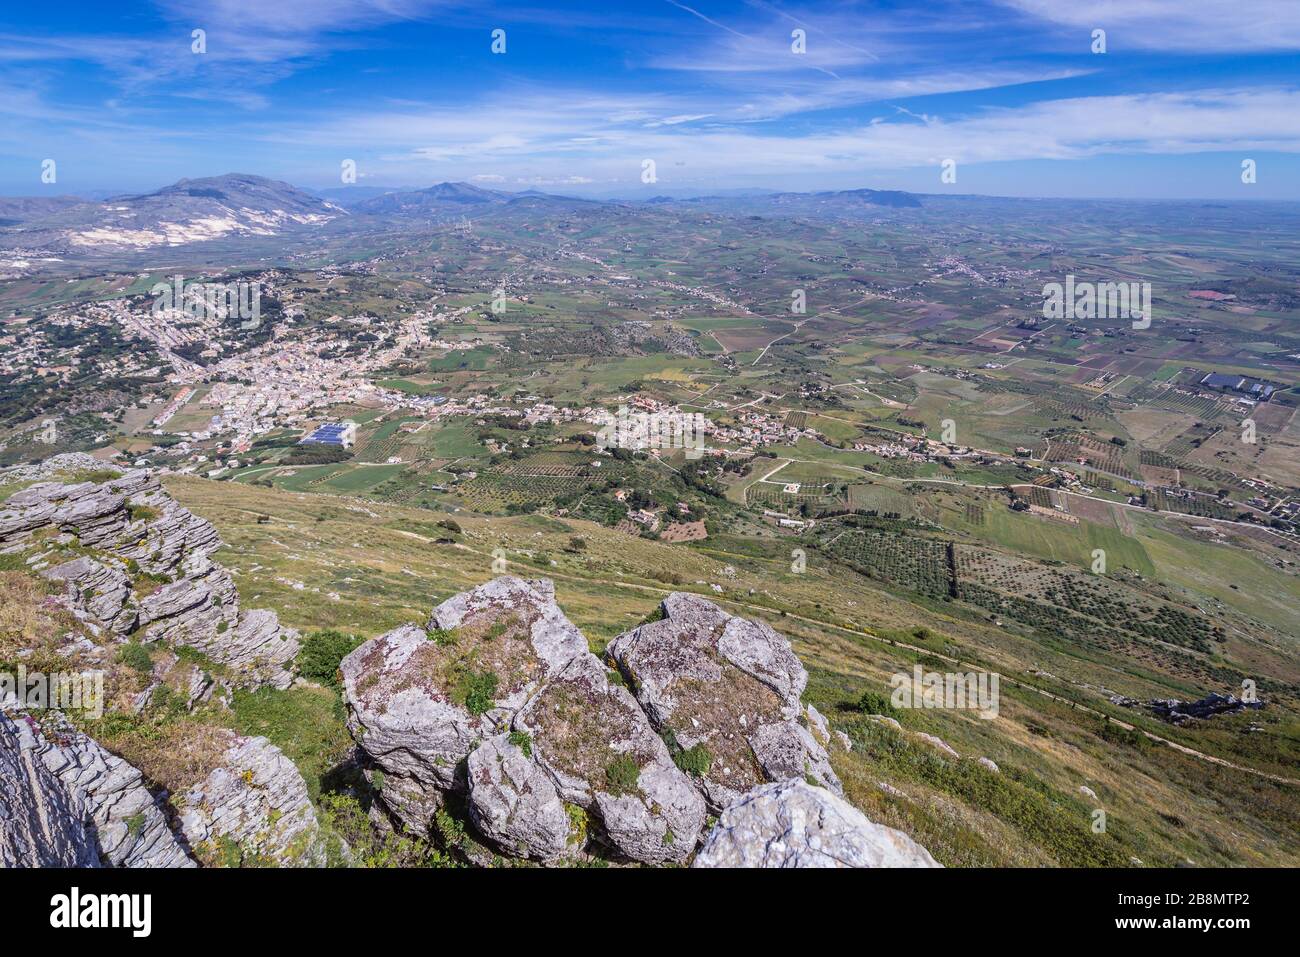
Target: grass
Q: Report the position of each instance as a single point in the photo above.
(307, 724)
(387, 571)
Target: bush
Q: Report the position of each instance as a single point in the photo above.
(621, 775)
(873, 702)
(696, 760)
(523, 741)
(441, 636)
(136, 656)
(477, 691)
(321, 654)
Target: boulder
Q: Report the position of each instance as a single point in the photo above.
(603, 755)
(794, 824)
(938, 743)
(732, 687)
(419, 701)
(513, 803)
(96, 594)
(40, 820)
(255, 803)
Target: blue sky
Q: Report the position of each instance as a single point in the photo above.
(710, 90)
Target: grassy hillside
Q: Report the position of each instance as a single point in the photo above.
(331, 562)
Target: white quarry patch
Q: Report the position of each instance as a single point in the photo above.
(244, 221)
(116, 237)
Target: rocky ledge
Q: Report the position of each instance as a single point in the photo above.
(134, 562)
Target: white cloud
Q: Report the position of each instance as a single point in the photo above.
(1183, 25)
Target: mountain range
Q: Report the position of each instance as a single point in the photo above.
(193, 211)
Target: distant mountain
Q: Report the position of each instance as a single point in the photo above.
(434, 201)
(22, 209)
(349, 196)
(755, 201)
(455, 200)
(189, 211)
(847, 198)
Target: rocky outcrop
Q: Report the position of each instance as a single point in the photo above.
(40, 821)
(125, 819)
(96, 594)
(149, 571)
(420, 700)
(726, 688)
(499, 702)
(254, 806)
(794, 824)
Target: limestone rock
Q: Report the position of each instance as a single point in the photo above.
(137, 531)
(938, 744)
(601, 751)
(989, 763)
(97, 594)
(513, 802)
(419, 701)
(40, 821)
(793, 824)
(731, 686)
(128, 822)
(256, 801)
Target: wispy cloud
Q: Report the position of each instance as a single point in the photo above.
(1199, 26)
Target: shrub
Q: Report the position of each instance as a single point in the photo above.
(441, 636)
(873, 702)
(141, 513)
(523, 741)
(477, 691)
(621, 775)
(323, 652)
(136, 656)
(696, 760)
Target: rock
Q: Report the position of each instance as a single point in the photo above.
(602, 753)
(40, 821)
(989, 763)
(794, 824)
(1184, 712)
(938, 743)
(97, 593)
(892, 791)
(144, 541)
(256, 801)
(1088, 792)
(513, 802)
(845, 742)
(818, 725)
(128, 822)
(885, 719)
(418, 702)
(709, 679)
